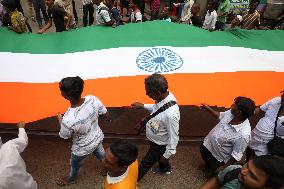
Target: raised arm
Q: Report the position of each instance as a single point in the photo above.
(22, 141)
(214, 113)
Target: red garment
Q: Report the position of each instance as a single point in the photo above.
(155, 5)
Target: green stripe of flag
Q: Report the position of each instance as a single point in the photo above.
(148, 34)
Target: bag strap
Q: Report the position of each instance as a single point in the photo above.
(161, 109)
(102, 8)
(275, 123)
(231, 175)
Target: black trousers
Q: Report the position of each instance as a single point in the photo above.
(141, 6)
(211, 162)
(88, 8)
(153, 156)
(74, 11)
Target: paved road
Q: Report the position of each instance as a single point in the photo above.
(48, 157)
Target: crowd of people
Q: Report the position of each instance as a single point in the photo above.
(63, 14)
(235, 156)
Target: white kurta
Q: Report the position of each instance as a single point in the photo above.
(13, 174)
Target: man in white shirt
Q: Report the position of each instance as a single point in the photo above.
(226, 143)
(210, 17)
(80, 122)
(264, 130)
(13, 174)
(161, 130)
(102, 14)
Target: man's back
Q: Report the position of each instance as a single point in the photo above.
(13, 174)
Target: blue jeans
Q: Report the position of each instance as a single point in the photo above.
(77, 161)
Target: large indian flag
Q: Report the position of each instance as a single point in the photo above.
(201, 66)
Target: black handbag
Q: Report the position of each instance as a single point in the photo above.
(276, 145)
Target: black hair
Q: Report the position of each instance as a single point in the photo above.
(245, 105)
(273, 167)
(124, 151)
(254, 1)
(156, 83)
(72, 87)
(214, 4)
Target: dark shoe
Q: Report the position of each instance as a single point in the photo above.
(157, 170)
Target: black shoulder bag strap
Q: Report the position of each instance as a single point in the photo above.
(161, 109)
(275, 123)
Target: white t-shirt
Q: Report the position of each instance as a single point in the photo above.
(136, 16)
(13, 173)
(210, 20)
(264, 130)
(103, 15)
(81, 123)
(225, 140)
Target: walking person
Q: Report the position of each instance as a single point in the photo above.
(162, 126)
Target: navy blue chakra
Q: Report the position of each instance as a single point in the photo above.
(159, 60)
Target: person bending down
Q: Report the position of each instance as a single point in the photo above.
(226, 143)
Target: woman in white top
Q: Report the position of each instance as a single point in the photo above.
(80, 122)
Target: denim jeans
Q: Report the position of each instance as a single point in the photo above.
(77, 161)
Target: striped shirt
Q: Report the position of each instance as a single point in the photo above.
(264, 129)
(81, 123)
(225, 140)
(250, 21)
